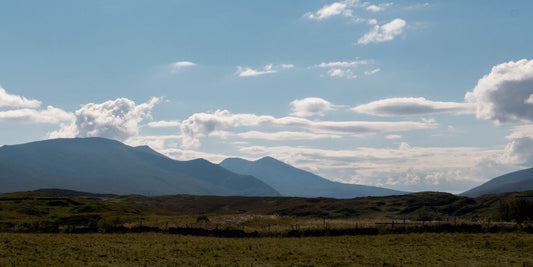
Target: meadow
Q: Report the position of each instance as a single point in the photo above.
(41, 228)
(156, 249)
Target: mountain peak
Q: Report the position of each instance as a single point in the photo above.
(100, 165)
(291, 181)
(269, 160)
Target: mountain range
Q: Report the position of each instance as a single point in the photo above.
(101, 165)
(291, 181)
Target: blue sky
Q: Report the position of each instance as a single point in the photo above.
(411, 95)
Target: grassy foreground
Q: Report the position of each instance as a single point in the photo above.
(151, 249)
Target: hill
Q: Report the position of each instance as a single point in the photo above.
(101, 165)
(51, 204)
(518, 181)
(290, 181)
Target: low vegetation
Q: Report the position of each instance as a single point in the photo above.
(152, 249)
(74, 212)
(57, 227)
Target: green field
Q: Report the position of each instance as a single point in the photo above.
(150, 249)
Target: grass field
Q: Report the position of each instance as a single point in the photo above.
(150, 249)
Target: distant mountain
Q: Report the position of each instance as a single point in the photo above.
(512, 182)
(290, 181)
(100, 165)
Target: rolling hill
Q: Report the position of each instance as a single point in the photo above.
(290, 181)
(101, 165)
(518, 181)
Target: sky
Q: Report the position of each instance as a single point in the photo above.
(408, 95)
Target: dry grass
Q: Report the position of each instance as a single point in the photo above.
(169, 250)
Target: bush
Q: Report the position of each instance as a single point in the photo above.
(519, 210)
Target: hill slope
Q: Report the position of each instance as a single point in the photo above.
(290, 181)
(105, 166)
(518, 181)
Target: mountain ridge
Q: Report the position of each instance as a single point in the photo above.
(517, 181)
(291, 181)
(102, 165)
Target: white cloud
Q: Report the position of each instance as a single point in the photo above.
(374, 8)
(519, 150)
(205, 124)
(372, 21)
(209, 124)
(28, 111)
(164, 124)
(393, 136)
(372, 72)
(342, 8)
(383, 33)
(342, 73)
(342, 64)
(287, 66)
(521, 131)
(49, 115)
(116, 119)
(286, 135)
(503, 95)
(267, 69)
(177, 66)
(310, 106)
(16, 101)
(378, 8)
(406, 106)
(342, 69)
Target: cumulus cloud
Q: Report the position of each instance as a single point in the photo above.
(204, 124)
(310, 106)
(116, 119)
(374, 8)
(16, 101)
(405, 106)
(50, 115)
(378, 8)
(519, 150)
(371, 21)
(164, 124)
(267, 69)
(177, 66)
(342, 69)
(209, 124)
(342, 73)
(503, 95)
(383, 33)
(342, 8)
